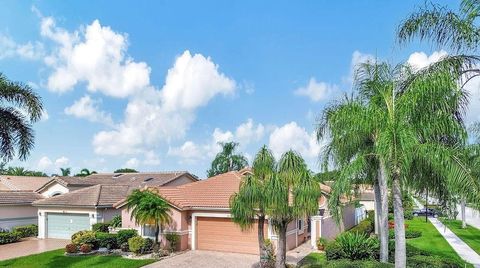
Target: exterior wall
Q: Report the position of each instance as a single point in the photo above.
(180, 181)
(53, 189)
(369, 205)
(106, 214)
(349, 219)
(11, 216)
(42, 217)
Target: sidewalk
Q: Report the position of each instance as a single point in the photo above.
(462, 249)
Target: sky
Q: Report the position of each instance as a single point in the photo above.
(155, 85)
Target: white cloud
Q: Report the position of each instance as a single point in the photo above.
(248, 132)
(317, 91)
(45, 115)
(45, 164)
(62, 162)
(151, 159)
(292, 136)
(419, 60)
(95, 55)
(357, 59)
(189, 152)
(155, 116)
(9, 48)
(132, 163)
(89, 109)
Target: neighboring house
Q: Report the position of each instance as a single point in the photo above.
(16, 197)
(201, 216)
(76, 203)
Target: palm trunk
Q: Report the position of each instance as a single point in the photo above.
(462, 211)
(400, 248)
(383, 213)
(261, 241)
(157, 232)
(378, 205)
(282, 245)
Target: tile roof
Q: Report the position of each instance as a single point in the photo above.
(14, 197)
(93, 196)
(29, 183)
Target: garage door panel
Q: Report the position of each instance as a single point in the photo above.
(221, 234)
(64, 225)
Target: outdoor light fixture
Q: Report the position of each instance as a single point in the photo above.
(321, 211)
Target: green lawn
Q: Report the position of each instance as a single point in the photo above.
(469, 235)
(55, 258)
(313, 259)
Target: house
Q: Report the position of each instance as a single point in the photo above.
(16, 196)
(200, 214)
(71, 204)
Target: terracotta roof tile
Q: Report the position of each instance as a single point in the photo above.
(10, 197)
(8, 182)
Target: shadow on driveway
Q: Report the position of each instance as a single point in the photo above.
(30, 246)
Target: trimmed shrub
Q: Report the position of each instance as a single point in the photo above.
(408, 234)
(124, 235)
(357, 246)
(85, 237)
(147, 246)
(432, 262)
(8, 237)
(124, 247)
(116, 221)
(71, 248)
(172, 239)
(100, 227)
(107, 240)
(408, 215)
(356, 264)
(26, 230)
(364, 227)
(85, 248)
(333, 251)
(135, 244)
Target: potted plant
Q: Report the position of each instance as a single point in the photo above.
(321, 242)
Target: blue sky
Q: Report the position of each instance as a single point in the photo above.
(153, 85)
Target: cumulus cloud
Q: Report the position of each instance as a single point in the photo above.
(317, 91)
(94, 54)
(132, 163)
(47, 165)
(9, 48)
(419, 60)
(88, 108)
(292, 136)
(155, 116)
(188, 152)
(247, 132)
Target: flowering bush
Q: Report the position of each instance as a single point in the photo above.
(85, 248)
(71, 248)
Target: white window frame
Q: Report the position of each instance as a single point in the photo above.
(301, 226)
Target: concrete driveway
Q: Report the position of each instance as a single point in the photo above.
(30, 246)
(211, 259)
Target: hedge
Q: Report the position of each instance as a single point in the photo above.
(124, 235)
(9, 237)
(100, 227)
(106, 240)
(408, 234)
(26, 230)
(364, 227)
(432, 262)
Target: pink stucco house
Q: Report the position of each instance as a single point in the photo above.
(201, 217)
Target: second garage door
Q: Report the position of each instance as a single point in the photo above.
(221, 234)
(64, 225)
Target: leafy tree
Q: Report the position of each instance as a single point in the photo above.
(227, 160)
(412, 114)
(125, 170)
(65, 171)
(85, 172)
(147, 207)
(20, 106)
(249, 204)
(20, 171)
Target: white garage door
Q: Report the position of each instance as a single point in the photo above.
(64, 225)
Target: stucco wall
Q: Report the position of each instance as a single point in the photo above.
(180, 181)
(11, 216)
(106, 215)
(54, 188)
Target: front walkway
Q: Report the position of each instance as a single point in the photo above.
(297, 254)
(462, 249)
(30, 246)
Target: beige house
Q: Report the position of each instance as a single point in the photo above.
(72, 204)
(201, 217)
(16, 196)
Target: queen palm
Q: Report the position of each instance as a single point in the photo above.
(248, 205)
(147, 207)
(227, 160)
(19, 108)
(65, 171)
(411, 115)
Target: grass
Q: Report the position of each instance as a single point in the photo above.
(313, 259)
(55, 258)
(469, 235)
(431, 240)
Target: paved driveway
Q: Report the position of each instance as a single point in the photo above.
(29, 247)
(211, 259)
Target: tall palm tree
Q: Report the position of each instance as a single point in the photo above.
(19, 108)
(444, 27)
(292, 193)
(85, 172)
(18, 171)
(411, 114)
(227, 160)
(248, 205)
(65, 171)
(148, 207)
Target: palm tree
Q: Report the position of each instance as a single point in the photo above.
(18, 171)
(85, 172)
(291, 194)
(444, 27)
(65, 171)
(412, 115)
(248, 205)
(19, 108)
(125, 170)
(148, 207)
(227, 160)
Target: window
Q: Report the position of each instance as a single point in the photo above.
(300, 226)
(148, 230)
